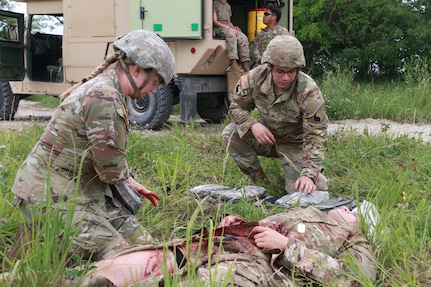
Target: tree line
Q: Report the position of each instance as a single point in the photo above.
(371, 38)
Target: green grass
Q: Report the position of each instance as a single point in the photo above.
(403, 100)
(393, 173)
(44, 100)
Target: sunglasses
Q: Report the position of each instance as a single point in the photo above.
(267, 14)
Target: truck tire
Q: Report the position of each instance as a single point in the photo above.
(152, 111)
(212, 107)
(8, 102)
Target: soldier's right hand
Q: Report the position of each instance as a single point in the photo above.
(262, 134)
(305, 185)
(151, 196)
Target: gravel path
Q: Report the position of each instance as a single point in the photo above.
(30, 112)
(375, 126)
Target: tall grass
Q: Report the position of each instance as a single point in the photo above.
(393, 173)
(404, 101)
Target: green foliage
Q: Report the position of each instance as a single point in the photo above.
(44, 100)
(417, 71)
(375, 37)
(398, 101)
(392, 173)
(7, 5)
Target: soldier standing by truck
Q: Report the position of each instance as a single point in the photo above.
(292, 124)
(82, 153)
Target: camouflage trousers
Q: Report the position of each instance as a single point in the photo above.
(237, 47)
(328, 270)
(102, 229)
(245, 152)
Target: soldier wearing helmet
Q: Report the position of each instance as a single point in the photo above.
(292, 122)
(81, 155)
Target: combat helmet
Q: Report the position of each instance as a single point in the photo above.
(284, 51)
(148, 51)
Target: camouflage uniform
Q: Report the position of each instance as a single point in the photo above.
(297, 119)
(262, 39)
(230, 258)
(236, 46)
(324, 251)
(81, 152)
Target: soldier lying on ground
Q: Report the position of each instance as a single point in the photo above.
(300, 243)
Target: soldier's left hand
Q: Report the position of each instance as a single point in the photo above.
(151, 196)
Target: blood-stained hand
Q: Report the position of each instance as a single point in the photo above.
(151, 196)
(230, 220)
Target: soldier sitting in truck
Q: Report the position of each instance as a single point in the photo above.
(236, 40)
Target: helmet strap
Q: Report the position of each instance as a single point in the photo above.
(137, 91)
(297, 73)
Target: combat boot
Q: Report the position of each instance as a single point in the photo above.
(234, 67)
(259, 176)
(245, 67)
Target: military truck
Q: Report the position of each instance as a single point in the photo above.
(59, 42)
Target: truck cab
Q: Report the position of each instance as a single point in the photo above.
(62, 41)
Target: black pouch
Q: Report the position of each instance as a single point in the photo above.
(129, 198)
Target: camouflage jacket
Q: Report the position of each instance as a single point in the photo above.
(262, 39)
(297, 116)
(85, 141)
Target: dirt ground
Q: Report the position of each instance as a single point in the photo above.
(30, 112)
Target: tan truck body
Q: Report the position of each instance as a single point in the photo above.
(52, 63)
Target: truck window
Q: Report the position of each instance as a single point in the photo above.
(45, 48)
(47, 24)
(8, 29)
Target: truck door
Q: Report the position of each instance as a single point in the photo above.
(11, 46)
(171, 19)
